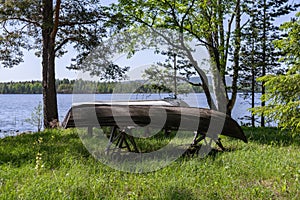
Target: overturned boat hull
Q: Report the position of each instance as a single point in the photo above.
(157, 115)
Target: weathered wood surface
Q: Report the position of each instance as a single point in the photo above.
(183, 118)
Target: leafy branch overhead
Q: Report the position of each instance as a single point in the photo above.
(49, 28)
(81, 24)
(217, 25)
(209, 23)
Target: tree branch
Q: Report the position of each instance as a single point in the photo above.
(65, 41)
(198, 38)
(21, 19)
(187, 12)
(173, 13)
(195, 84)
(78, 23)
(5, 29)
(56, 19)
(229, 31)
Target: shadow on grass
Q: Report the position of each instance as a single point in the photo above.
(54, 145)
(213, 153)
(179, 193)
(271, 136)
(58, 145)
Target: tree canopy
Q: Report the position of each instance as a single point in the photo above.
(283, 91)
(74, 22)
(48, 27)
(258, 54)
(206, 23)
(218, 26)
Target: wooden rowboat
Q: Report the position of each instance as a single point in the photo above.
(143, 114)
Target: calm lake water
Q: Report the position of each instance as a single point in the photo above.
(16, 108)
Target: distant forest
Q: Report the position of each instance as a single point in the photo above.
(67, 86)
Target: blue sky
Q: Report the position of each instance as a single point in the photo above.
(31, 69)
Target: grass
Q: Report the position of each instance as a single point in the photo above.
(54, 164)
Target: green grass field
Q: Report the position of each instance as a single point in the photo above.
(54, 164)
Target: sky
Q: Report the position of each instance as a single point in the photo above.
(31, 68)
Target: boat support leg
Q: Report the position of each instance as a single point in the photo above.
(202, 136)
(122, 139)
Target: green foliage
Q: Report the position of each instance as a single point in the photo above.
(216, 25)
(283, 97)
(201, 21)
(27, 87)
(258, 53)
(163, 80)
(49, 27)
(66, 86)
(265, 168)
(173, 74)
(81, 24)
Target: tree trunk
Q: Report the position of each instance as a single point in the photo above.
(175, 76)
(205, 87)
(264, 57)
(253, 66)
(236, 58)
(48, 65)
(218, 79)
(252, 87)
(204, 81)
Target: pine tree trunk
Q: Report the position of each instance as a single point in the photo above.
(253, 66)
(48, 65)
(264, 57)
(252, 90)
(175, 77)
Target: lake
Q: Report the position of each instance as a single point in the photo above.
(16, 108)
